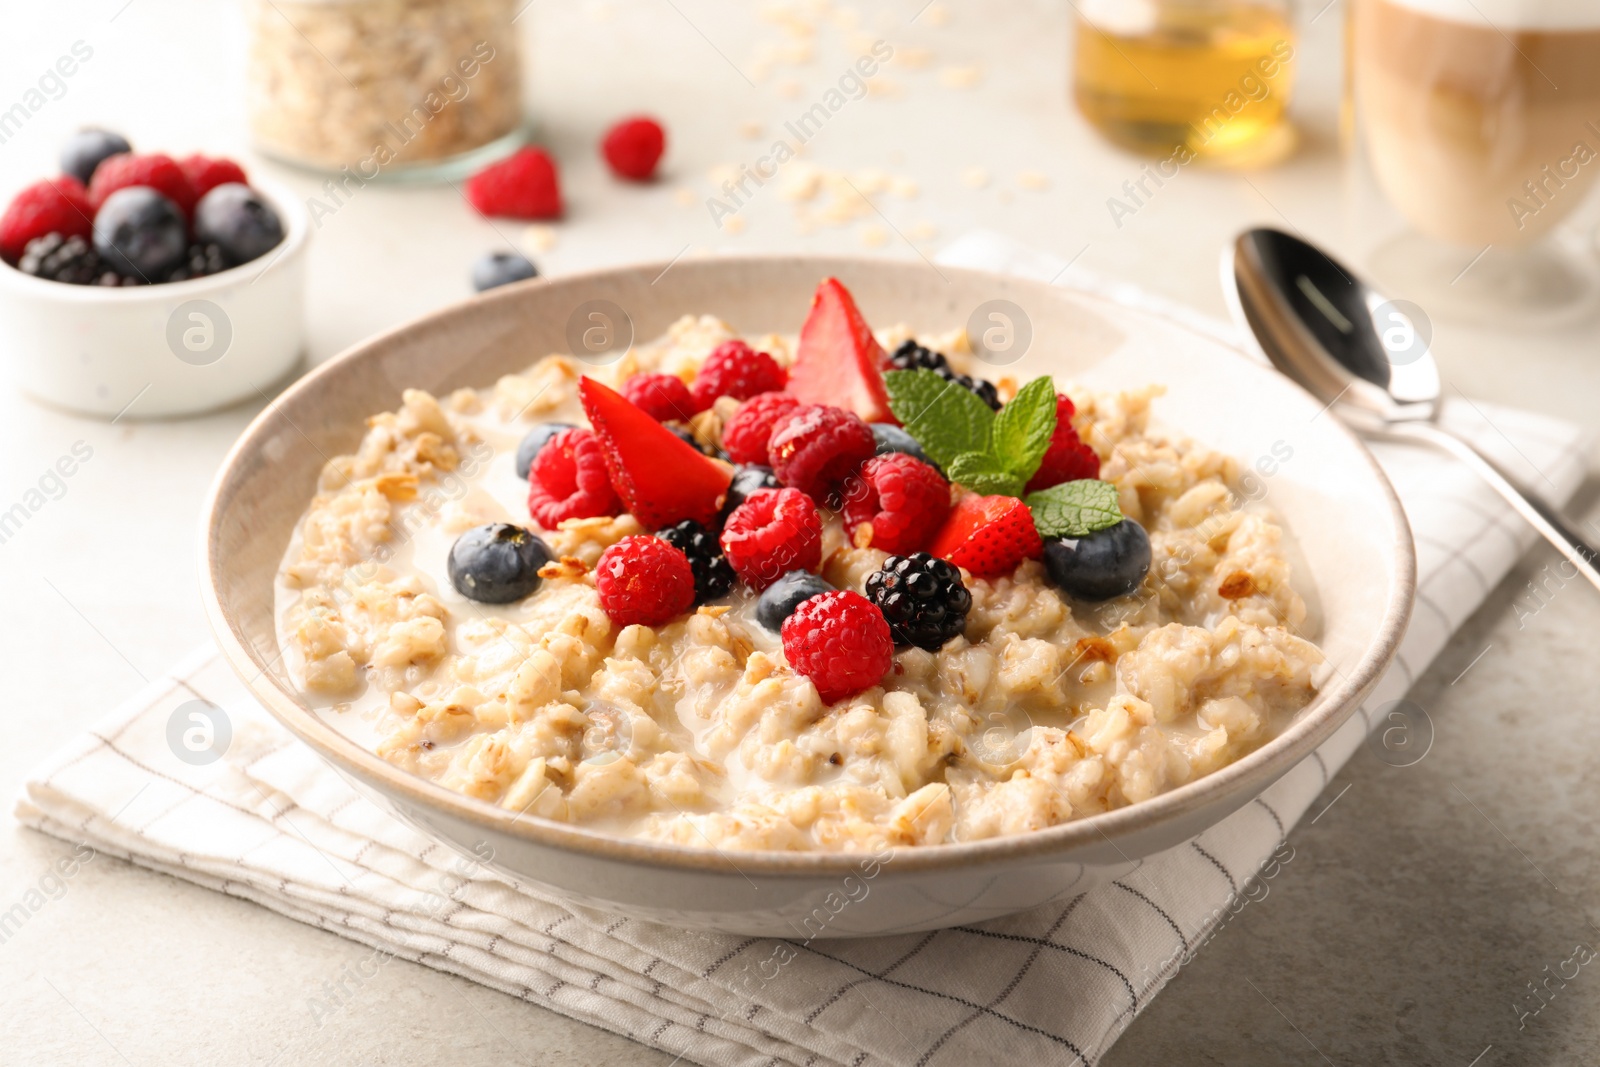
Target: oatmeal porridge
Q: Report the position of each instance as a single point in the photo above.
(832, 592)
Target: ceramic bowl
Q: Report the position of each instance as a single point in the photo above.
(1350, 530)
(154, 351)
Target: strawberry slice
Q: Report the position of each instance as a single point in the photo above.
(660, 478)
(838, 361)
(988, 535)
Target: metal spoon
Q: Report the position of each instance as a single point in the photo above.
(1323, 327)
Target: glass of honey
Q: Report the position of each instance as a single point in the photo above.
(1202, 79)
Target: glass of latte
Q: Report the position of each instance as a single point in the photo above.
(1479, 121)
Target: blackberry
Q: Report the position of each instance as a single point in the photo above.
(111, 279)
(201, 260)
(61, 259)
(713, 574)
(912, 356)
(923, 599)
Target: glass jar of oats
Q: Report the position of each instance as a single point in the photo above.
(385, 89)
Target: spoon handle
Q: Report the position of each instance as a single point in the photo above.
(1556, 527)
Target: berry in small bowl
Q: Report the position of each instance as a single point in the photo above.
(138, 285)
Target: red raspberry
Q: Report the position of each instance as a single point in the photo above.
(206, 173)
(522, 186)
(735, 369)
(1068, 458)
(841, 641)
(157, 171)
(661, 396)
(772, 533)
(55, 205)
(818, 447)
(568, 480)
(643, 580)
(745, 436)
(633, 147)
(903, 499)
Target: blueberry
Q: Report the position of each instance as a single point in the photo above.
(892, 438)
(535, 440)
(1108, 563)
(497, 563)
(747, 478)
(784, 595)
(237, 220)
(87, 149)
(501, 268)
(139, 232)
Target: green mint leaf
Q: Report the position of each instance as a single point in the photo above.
(983, 473)
(1075, 509)
(946, 419)
(1023, 428)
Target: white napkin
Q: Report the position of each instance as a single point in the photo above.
(271, 823)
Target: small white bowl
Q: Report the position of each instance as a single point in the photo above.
(152, 351)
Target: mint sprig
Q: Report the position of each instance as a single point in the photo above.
(996, 453)
(984, 451)
(946, 419)
(1074, 509)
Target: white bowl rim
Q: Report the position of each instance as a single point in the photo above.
(1314, 724)
(297, 231)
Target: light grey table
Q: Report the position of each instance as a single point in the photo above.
(1405, 929)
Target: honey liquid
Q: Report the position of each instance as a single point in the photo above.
(1214, 78)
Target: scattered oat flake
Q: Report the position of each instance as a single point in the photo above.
(874, 236)
(923, 231)
(686, 196)
(904, 189)
(1033, 179)
(884, 88)
(723, 172)
(733, 225)
(912, 58)
(750, 131)
(790, 89)
(960, 77)
(936, 15)
(975, 177)
(540, 238)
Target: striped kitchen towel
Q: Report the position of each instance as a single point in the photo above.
(270, 823)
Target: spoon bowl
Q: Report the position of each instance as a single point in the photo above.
(1365, 356)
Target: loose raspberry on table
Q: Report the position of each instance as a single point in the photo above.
(568, 480)
(1068, 459)
(643, 581)
(159, 172)
(773, 532)
(524, 185)
(895, 503)
(735, 369)
(55, 205)
(745, 435)
(661, 396)
(633, 147)
(840, 641)
(205, 173)
(817, 447)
